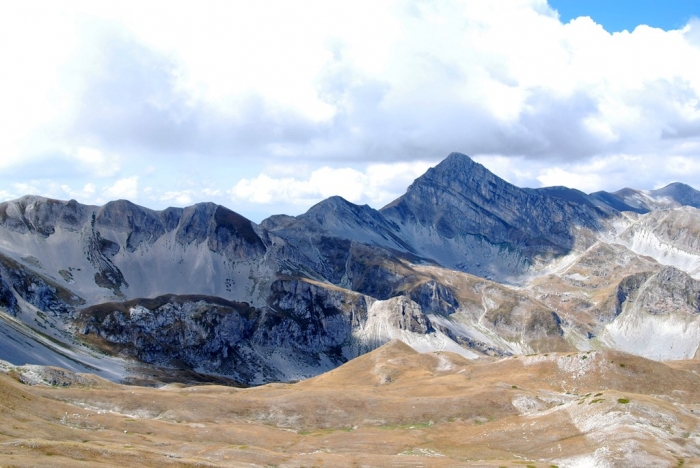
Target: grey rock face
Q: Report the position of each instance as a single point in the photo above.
(331, 232)
(223, 337)
(409, 316)
(669, 291)
(39, 291)
(310, 317)
(434, 297)
(8, 301)
(616, 202)
(458, 215)
(167, 329)
(682, 194)
(513, 316)
(627, 292)
(233, 235)
(99, 252)
(678, 228)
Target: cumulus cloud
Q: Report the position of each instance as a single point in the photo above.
(126, 188)
(24, 188)
(484, 77)
(214, 102)
(377, 185)
(182, 198)
(86, 193)
(95, 162)
(555, 176)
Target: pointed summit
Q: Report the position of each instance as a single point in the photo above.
(456, 159)
(459, 161)
(459, 171)
(683, 194)
(460, 202)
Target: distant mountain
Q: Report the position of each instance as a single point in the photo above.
(463, 261)
(643, 201)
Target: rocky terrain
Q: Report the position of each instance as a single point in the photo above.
(462, 262)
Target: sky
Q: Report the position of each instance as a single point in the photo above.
(269, 107)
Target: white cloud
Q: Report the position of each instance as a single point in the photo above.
(264, 190)
(373, 80)
(512, 169)
(36, 45)
(126, 188)
(85, 194)
(209, 192)
(96, 162)
(555, 176)
(43, 187)
(26, 188)
(182, 198)
(346, 182)
(377, 185)
(290, 102)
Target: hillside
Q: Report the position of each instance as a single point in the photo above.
(390, 407)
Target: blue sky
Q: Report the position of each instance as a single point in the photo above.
(271, 106)
(619, 15)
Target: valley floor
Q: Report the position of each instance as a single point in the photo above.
(392, 407)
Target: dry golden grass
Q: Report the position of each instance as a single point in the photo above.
(391, 407)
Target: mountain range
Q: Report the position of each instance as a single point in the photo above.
(463, 262)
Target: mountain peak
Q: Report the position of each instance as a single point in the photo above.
(333, 202)
(456, 157)
(461, 174)
(677, 186)
(680, 193)
(458, 162)
(464, 203)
